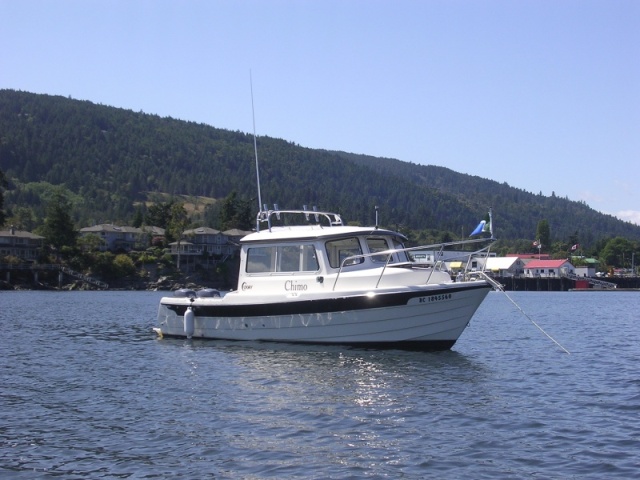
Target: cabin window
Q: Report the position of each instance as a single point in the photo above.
(378, 245)
(402, 256)
(286, 258)
(339, 250)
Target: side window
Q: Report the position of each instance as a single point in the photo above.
(339, 250)
(297, 258)
(308, 259)
(402, 256)
(378, 245)
(261, 260)
(288, 258)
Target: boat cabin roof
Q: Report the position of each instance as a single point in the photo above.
(314, 232)
(327, 225)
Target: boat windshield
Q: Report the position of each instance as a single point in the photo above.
(339, 250)
(402, 256)
(378, 244)
(285, 258)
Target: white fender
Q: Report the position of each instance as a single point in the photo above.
(189, 318)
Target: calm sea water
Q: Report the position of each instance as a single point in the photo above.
(87, 391)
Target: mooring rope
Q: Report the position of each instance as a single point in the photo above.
(499, 287)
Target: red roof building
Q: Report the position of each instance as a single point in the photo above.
(548, 268)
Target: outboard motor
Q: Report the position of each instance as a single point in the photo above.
(208, 293)
(184, 293)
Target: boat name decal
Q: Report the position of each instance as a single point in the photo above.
(293, 286)
(246, 286)
(435, 298)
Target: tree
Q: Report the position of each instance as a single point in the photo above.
(235, 213)
(574, 239)
(177, 224)
(138, 219)
(22, 218)
(59, 229)
(617, 252)
(228, 211)
(543, 233)
(90, 242)
(123, 265)
(3, 184)
(159, 214)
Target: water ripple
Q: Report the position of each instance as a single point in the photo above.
(88, 392)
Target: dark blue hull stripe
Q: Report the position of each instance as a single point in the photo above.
(305, 307)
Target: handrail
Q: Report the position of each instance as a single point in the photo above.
(54, 266)
(265, 216)
(83, 277)
(29, 266)
(592, 281)
(390, 253)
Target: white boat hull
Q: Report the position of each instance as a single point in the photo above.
(430, 317)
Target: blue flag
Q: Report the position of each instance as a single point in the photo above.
(483, 226)
(480, 228)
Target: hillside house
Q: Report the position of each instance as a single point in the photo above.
(234, 236)
(20, 244)
(208, 242)
(205, 240)
(116, 238)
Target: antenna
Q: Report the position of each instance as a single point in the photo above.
(255, 143)
(491, 222)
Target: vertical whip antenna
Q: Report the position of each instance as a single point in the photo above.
(255, 144)
(491, 222)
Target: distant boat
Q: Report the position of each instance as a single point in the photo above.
(319, 281)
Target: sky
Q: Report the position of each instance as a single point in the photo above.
(543, 95)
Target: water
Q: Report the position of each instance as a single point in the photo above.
(87, 391)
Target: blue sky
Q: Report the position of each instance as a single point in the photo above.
(542, 95)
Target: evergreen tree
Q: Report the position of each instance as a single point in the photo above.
(543, 234)
(228, 211)
(3, 184)
(159, 215)
(177, 225)
(59, 230)
(235, 213)
(138, 219)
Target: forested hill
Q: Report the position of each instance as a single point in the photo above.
(113, 159)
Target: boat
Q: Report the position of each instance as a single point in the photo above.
(307, 277)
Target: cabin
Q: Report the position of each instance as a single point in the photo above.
(123, 239)
(21, 244)
(548, 268)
